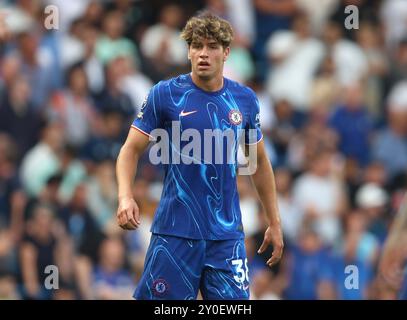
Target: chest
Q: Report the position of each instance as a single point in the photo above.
(200, 112)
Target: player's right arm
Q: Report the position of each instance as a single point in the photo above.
(128, 215)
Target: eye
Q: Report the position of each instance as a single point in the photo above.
(196, 45)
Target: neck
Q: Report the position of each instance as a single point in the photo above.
(214, 84)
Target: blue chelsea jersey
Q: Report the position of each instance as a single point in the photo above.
(200, 198)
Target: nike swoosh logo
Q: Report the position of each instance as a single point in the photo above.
(183, 114)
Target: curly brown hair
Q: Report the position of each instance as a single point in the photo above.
(207, 26)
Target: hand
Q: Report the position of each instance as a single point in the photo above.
(128, 215)
(391, 266)
(274, 236)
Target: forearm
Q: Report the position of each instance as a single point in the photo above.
(126, 168)
(263, 180)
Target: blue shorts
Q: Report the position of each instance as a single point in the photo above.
(176, 268)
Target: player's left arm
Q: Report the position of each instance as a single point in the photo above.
(263, 180)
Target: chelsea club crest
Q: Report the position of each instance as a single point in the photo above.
(235, 117)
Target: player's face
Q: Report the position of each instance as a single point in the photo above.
(207, 58)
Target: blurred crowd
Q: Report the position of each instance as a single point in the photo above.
(333, 113)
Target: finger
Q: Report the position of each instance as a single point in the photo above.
(136, 216)
(275, 257)
(125, 227)
(130, 226)
(272, 261)
(263, 246)
(118, 220)
(130, 219)
(122, 218)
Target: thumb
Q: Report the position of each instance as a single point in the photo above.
(262, 247)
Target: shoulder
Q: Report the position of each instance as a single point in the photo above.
(180, 82)
(240, 90)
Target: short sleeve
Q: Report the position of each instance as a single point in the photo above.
(150, 115)
(253, 132)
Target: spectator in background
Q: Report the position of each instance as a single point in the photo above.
(263, 287)
(270, 16)
(93, 14)
(74, 109)
(321, 198)
(313, 137)
(307, 268)
(295, 56)
(101, 196)
(373, 201)
(112, 96)
(351, 64)
(18, 118)
(248, 206)
(86, 236)
(290, 213)
(107, 143)
(368, 38)
(37, 66)
(80, 225)
(354, 125)
(391, 140)
(4, 32)
(43, 160)
(134, 83)
(93, 66)
(71, 47)
(325, 89)
(359, 248)
(112, 43)
(37, 251)
(12, 204)
(393, 14)
(318, 12)
(10, 67)
(398, 64)
(241, 15)
(8, 287)
(111, 281)
(164, 50)
(286, 123)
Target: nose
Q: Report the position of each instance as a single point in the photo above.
(204, 52)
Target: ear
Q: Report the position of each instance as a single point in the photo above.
(226, 53)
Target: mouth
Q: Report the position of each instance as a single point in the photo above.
(203, 65)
